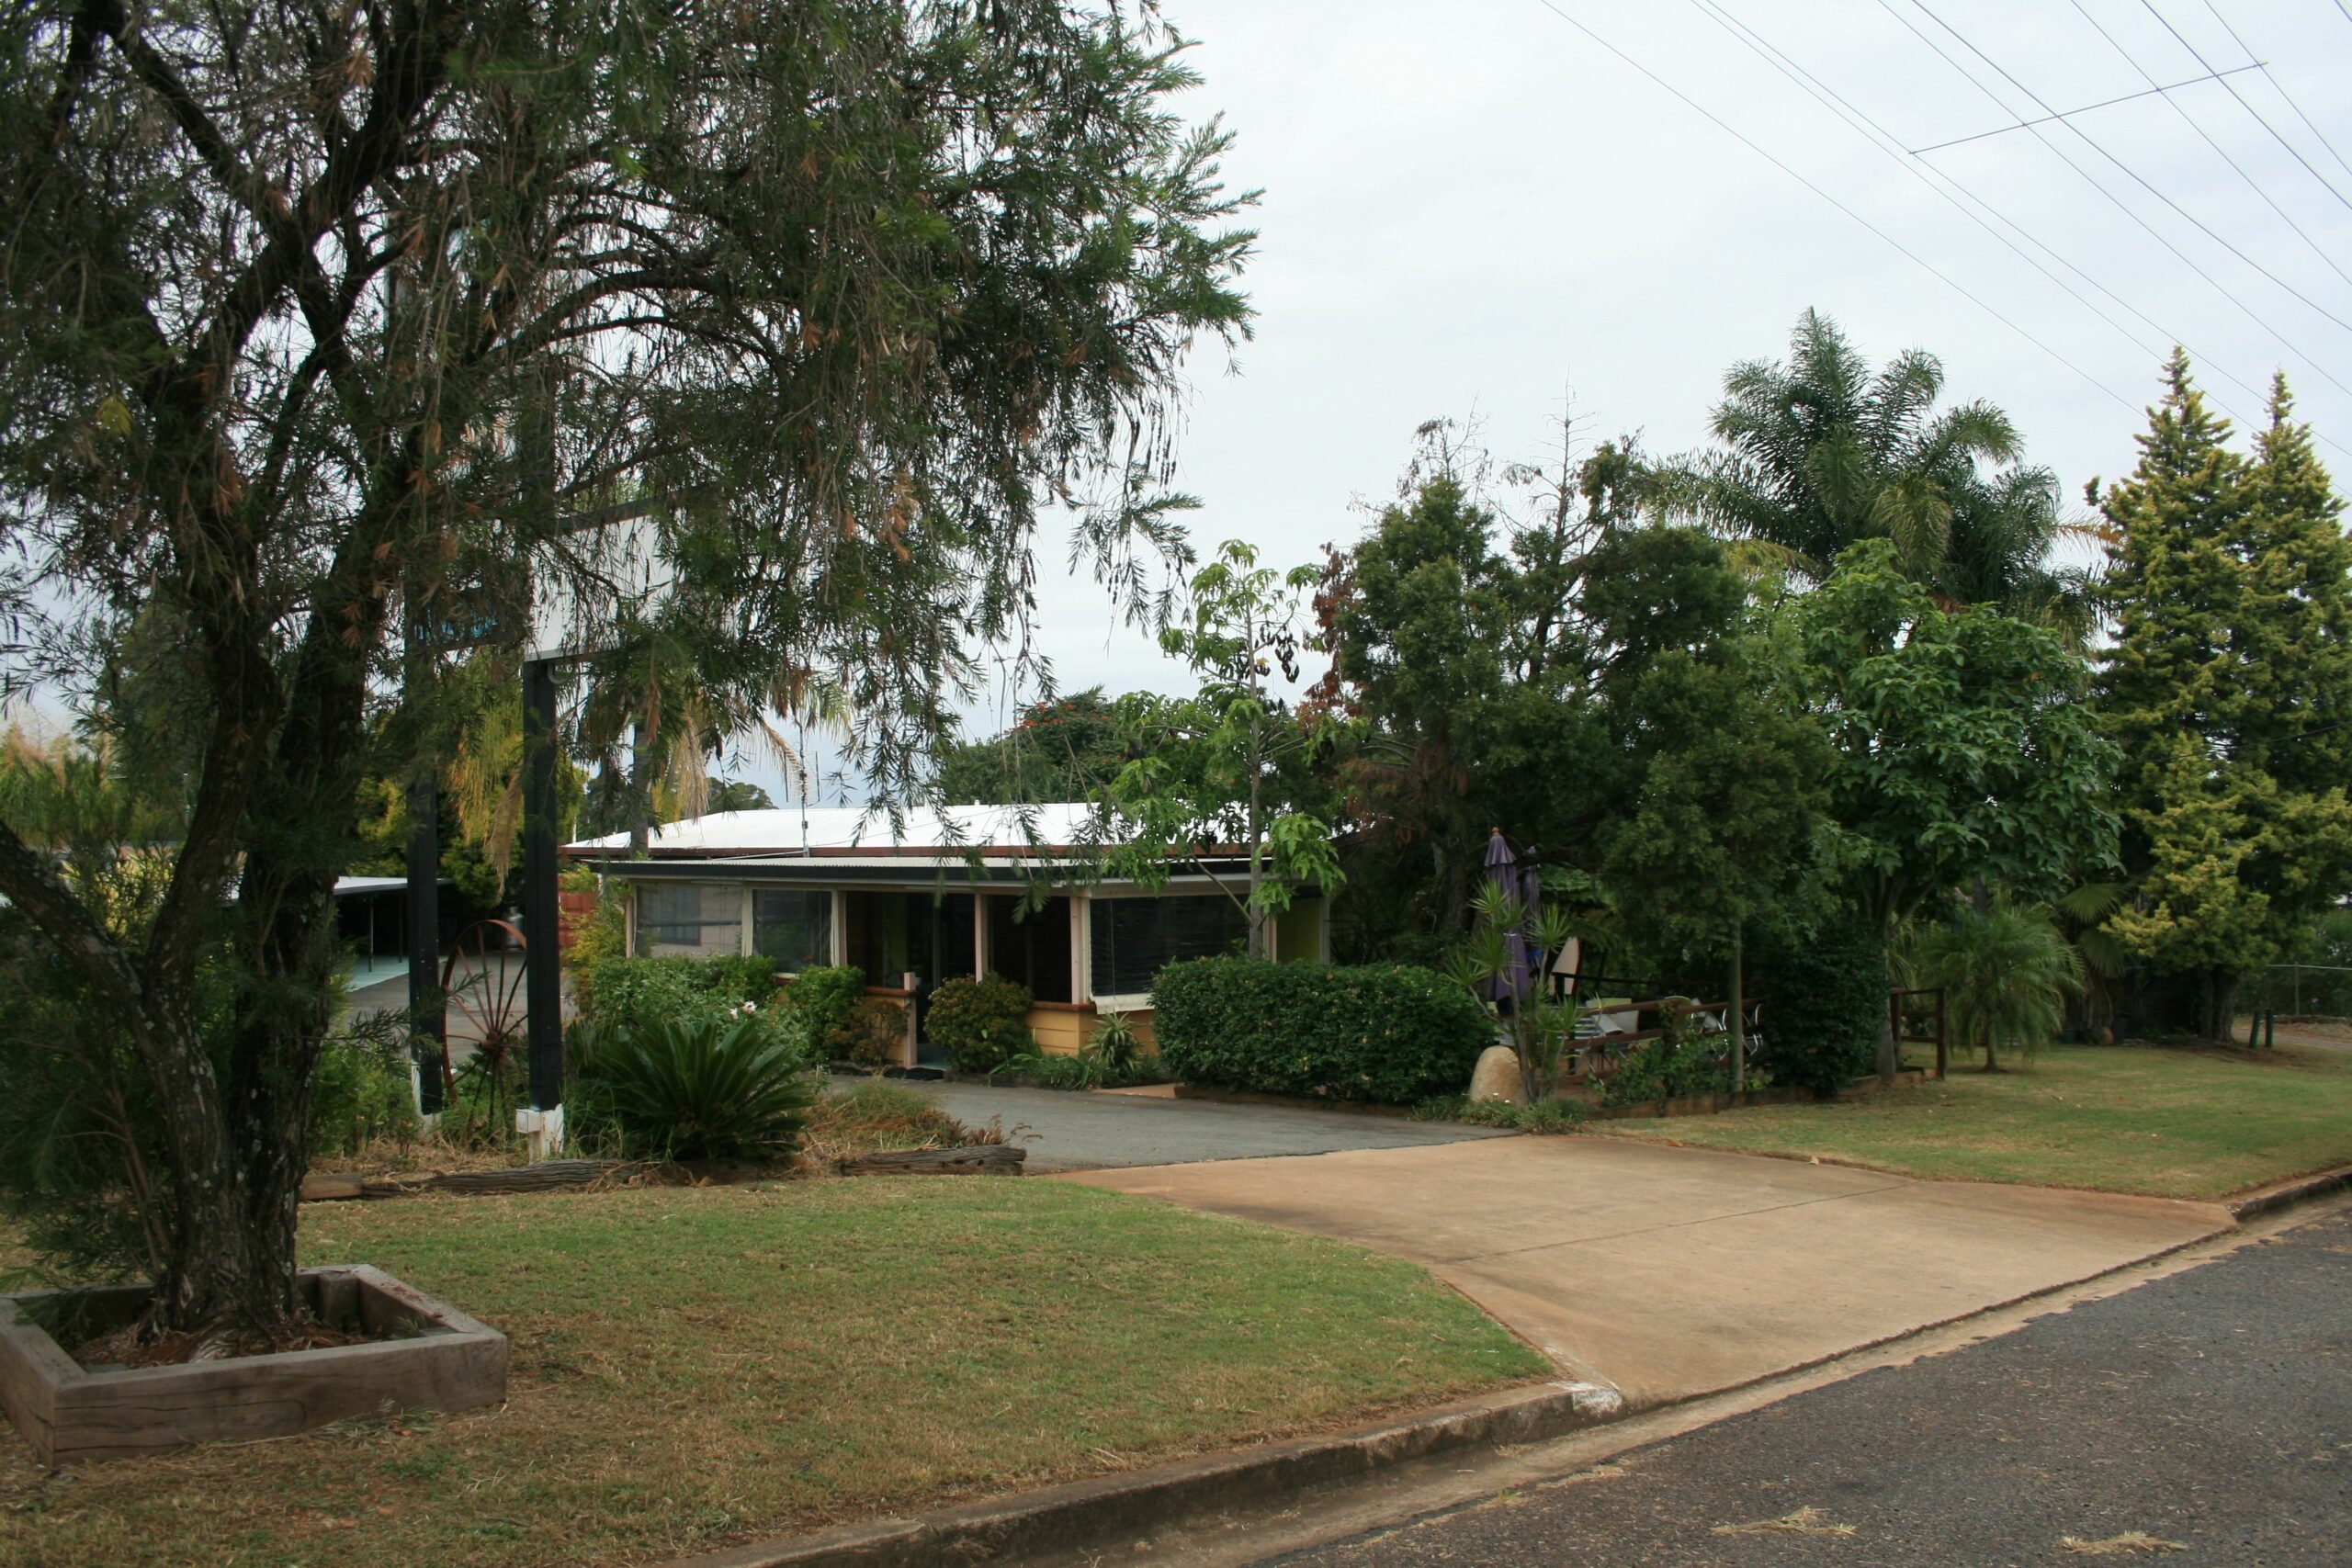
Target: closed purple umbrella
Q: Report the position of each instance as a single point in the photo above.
(1514, 880)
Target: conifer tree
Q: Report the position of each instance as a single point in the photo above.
(2228, 691)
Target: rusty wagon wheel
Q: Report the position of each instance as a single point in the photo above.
(483, 980)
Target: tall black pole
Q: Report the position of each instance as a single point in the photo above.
(427, 1007)
(543, 976)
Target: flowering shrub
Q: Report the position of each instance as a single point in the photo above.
(638, 993)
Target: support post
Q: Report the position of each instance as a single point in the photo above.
(543, 976)
(428, 1009)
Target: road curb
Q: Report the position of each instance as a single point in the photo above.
(1082, 1512)
(2288, 1194)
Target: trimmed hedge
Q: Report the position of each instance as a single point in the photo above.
(1390, 1033)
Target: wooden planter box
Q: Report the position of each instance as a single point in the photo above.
(444, 1361)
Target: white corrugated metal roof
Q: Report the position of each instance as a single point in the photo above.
(834, 828)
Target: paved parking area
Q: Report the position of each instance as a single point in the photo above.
(1671, 1272)
(1068, 1131)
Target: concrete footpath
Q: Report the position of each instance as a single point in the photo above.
(1674, 1272)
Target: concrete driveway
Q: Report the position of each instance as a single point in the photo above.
(1671, 1272)
(1068, 1131)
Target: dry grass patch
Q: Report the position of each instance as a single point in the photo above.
(695, 1366)
(2178, 1124)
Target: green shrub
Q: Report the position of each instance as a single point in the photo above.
(1671, 1069)
(1388, 1034)
(692, 1088)
(1824, 1002)
(979, 1024)
(871, 1034)
(825, 996)
(603, 936)
(362, 1091)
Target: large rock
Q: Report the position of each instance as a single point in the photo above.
(1497, 1077)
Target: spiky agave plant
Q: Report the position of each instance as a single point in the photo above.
(721, 1088)
(2008, 971)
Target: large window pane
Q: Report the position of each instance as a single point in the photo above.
(793, 927)
(1031, 947)
(706, 921)
(1133, 939)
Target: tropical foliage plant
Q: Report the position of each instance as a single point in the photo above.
(2006, 971)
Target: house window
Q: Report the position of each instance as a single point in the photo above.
(1131, 939)
(793, 927)
(1031, 947)
(691, 918)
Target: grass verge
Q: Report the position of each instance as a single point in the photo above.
(2178, 1124)
(695, 1366)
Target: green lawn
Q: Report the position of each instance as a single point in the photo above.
(695, 1366)
(2123, 1119)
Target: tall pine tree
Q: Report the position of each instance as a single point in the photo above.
(2229, 691)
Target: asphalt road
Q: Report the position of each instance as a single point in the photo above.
(2210, 1409)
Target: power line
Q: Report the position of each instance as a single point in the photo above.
(2280, 88)
(1915, 258)
(2153, 90)
(2117, 202)
(2222, 153)
(1935, 179)
(1886, 142)
(2136, 176)
(2197, 55)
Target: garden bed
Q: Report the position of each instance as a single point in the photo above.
(407, 1351)
(694, 1366)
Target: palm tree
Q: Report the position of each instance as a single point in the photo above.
(1819, 451)
(2007, 972)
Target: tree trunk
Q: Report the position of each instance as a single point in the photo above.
(1890, 1053)
(1257, 843)
(2222, 1005)
(1739, 1013)
(644, 763)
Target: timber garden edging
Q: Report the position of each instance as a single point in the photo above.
(441, 1359)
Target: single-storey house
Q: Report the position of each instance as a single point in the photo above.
(963, 890)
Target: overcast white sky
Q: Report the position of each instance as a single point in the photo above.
(1476, 208)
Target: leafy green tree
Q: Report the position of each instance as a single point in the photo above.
(1064, 747)
(1227, 767)
(2007, 972)
(316, 320)
(1720, 816)
(1457, 642)
(735, 795)
(2228, 691)
(1963, 749)
(1819, 453)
